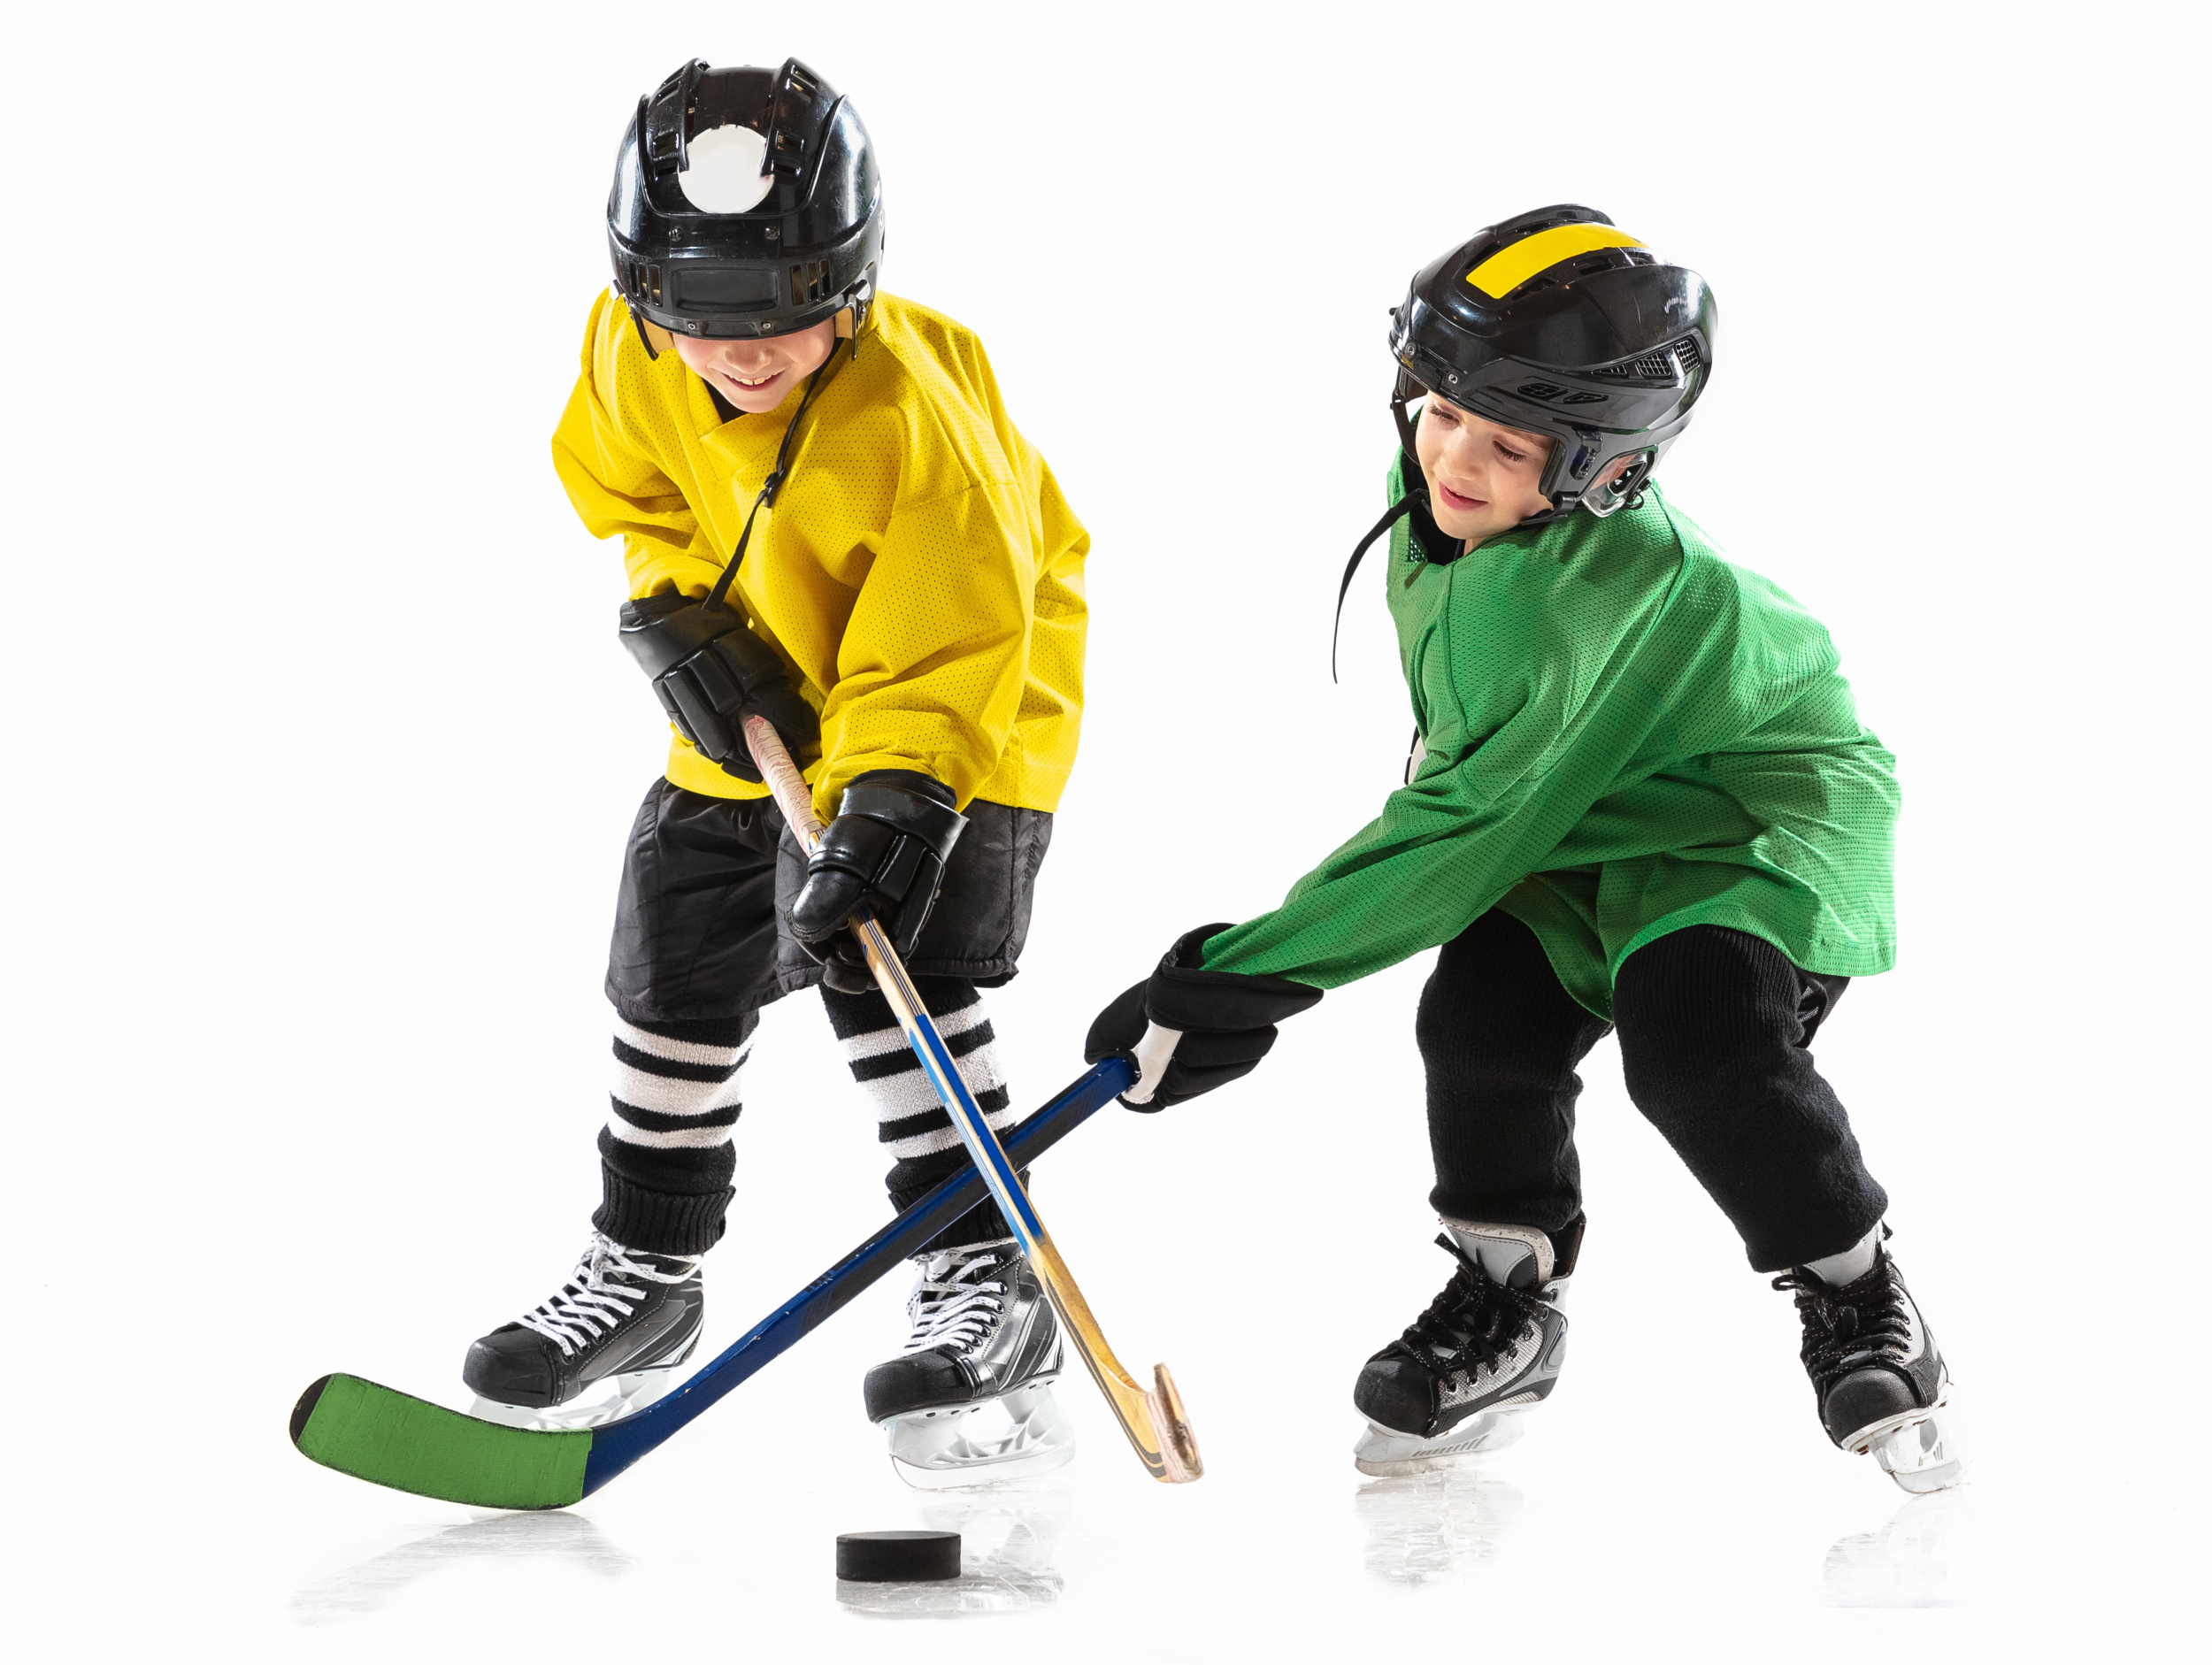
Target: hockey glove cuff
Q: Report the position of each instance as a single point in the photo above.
(885, 854)
(711, 673)
(1187, 1030)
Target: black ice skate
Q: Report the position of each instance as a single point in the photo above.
(1488, 1346)
(969, 1400)
(608, 1342)
(1878, 1378)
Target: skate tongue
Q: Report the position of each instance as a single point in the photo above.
(1511, 1256)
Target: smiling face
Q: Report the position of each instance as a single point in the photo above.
(755, 375)
(1481, 474)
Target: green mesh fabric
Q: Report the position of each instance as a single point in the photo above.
(1624, 735)
(395, 1439)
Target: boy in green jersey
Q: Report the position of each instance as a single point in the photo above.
(1641, 798)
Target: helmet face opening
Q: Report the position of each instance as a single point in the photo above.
(1558, 323)
(805, 249)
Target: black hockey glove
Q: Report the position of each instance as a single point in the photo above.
(711, 674)
(885, 853)
(1213, 1027)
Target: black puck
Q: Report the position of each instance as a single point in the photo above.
(895, 1558)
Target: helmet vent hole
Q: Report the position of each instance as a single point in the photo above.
(1658, 366)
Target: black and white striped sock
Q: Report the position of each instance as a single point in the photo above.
(665, 1151)
(923, 1144)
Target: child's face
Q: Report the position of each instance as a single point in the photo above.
(1481, 475)
(755, 375)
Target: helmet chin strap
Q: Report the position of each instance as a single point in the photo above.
(1404, 394)
(656, 340)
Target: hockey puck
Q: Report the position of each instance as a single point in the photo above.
(895, 1558)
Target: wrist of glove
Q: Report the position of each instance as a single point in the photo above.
(1188, 1030)
(884, 854)
(711, 674)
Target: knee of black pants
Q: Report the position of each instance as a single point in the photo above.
(1500, 1039)
(1714, 1025)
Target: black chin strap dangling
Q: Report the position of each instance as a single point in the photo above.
(774, 484)
(1398, 511)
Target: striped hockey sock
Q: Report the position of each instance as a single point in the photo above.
(923, 1145)
(664, 1152)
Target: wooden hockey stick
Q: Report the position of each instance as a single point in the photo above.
(1152, 1417)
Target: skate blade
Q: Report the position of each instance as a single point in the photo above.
(1008, 1438)
(604, 1401)
(1387, 1453)
(1919, 1450)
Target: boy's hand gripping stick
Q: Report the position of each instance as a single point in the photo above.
(1152, 1417)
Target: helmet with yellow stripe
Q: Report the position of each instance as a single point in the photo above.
(1559, 323)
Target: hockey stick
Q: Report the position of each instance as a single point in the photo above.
(1152, 1417)
(395, 1439)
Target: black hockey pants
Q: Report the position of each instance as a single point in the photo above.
(1714, 1028)
(701, 944)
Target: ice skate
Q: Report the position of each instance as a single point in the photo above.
(1877, 1377)
(1451, 1388)
(610, 1341)
(969, 1400)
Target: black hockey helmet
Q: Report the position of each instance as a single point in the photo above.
(746, 203)
(1559, 323)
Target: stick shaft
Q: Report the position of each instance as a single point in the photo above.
(360, 1427)
(617, 1444)
(1152, 1419)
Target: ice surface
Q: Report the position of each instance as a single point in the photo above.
(1437, 1527)
(1908, 1563)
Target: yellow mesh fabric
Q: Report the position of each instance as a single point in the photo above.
(920, 571)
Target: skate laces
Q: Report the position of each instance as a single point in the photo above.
(1850, 1326)
(595, 1300)
(1471, 1325)
(957, 1300)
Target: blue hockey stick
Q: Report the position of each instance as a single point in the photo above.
(374, 1434)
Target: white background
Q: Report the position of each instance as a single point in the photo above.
(321, 753)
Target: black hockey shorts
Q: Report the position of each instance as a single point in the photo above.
(1715, 1032)
(700, 931)
(700, 945)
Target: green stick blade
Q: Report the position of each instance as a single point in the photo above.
(410, 1445)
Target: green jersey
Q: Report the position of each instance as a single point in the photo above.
(1623, 735)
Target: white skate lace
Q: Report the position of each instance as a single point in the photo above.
(593, 1299)
(955, 1305)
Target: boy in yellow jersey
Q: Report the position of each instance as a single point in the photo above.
(830, 521)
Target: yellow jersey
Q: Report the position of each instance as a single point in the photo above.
(919, 571)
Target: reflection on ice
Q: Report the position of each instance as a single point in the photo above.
(367, 1587)
(1434, 1528)
(1907, 1564)
(1007, 1535)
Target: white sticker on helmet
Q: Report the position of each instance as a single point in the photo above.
(726, 174)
